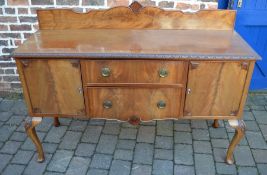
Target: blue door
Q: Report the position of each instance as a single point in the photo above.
(251, 24)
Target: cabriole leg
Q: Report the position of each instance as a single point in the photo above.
(56, 122)
(239, 126)
(215, 123)
(30, 125)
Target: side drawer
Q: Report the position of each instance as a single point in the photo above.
(134, 71)
(124, 103)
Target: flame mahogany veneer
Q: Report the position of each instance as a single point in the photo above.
(135, 64)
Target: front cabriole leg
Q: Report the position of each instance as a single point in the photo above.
(30, 125)
(239, 126)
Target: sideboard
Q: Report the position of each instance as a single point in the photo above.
(136, 64)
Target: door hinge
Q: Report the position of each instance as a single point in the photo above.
(25, 63)
(81, 111)
(75, 63)
(36, 110)
(233, 113)
(187, 113)
(239, 3)
(194, 65)
(244, 65)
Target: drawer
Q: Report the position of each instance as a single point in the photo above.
(123, 103)
(134, 71)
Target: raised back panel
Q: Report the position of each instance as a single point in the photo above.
(136, 17)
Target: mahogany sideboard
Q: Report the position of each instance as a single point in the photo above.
(136, 64)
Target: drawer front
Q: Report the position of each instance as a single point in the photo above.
(134, 71)
(123, 103)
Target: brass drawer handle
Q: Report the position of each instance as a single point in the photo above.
(105, 72)
(163, 72)
(161, 104)
(107, 104)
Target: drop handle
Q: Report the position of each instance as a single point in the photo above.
(105, 72)
(161, 104)
(107, 104)
(163, 73)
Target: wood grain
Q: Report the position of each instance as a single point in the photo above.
(207, 66)
(53, 86)
(144, 85)
(128, 102)
(218, 83)
(216, 89)
(24, 86)
(143, 18)
(239, 135)
(31, 132)
(136, 44)
(246, 89)
(134, 71)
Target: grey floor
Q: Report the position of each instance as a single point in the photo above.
(99, 147)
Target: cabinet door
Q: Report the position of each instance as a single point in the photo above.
(215, 88)
(52, 86)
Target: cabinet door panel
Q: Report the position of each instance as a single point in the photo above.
(53, 86)
(215, 88)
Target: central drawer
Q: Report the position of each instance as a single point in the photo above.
(133, 71)
(124, 103)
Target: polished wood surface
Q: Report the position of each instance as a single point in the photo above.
(29, 126)
(215, 88)
(135, 71)
(136, 44)
(128, 102)
(144, 85)
(135, 63)
(53, 86)
(135, 17)
(239, 134)
(246, 89)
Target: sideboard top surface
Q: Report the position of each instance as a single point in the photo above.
(136, 44)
